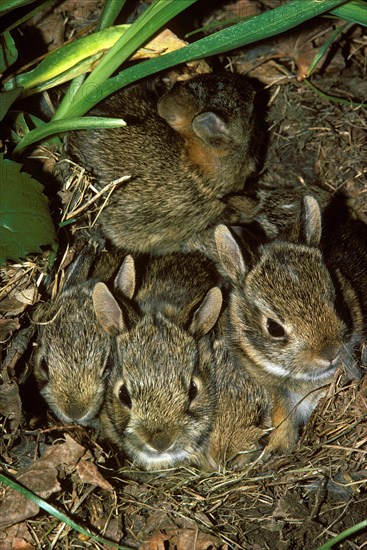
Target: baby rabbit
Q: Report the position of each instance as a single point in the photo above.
(241, 405)
(184, 150)
(294, 323)
(71, 360)
(160, 399)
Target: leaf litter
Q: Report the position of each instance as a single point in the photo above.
(294, 501)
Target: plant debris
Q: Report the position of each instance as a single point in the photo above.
(288, 502)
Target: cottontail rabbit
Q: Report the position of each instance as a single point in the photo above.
(241, 405)
(184, 150)
(293, 322)
(70, 362)
(160, 399)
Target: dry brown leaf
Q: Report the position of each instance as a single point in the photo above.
(10, 403)
(187, 539)
(165, 42)
(182, 539)
(17, 537)
(89, 473)
(157, 542)
(7, 326)
(41, 477)
(65, 454)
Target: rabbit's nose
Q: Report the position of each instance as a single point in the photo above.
(330, 352)
(161, 441)
(75, 412)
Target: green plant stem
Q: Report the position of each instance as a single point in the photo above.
(262, 26)
(55, 512)
(334, 99)
(320, 54)
(111, 9)
(343, 535)
(151, 20)
(65, 125)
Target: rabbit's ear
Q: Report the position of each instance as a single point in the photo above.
(211, 128)
(308, 231)
(207, 313)
(175, 111)
(79, 269)
(229, 253)
(108, 311)
(125, 278)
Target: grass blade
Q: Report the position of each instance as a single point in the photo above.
(55, 512)
(10, 5)
(355, 11)
(343, 535)
(66, 58)
(320, 54)
(257, 28)
(65, 125)
(152, 19)
(111, 9)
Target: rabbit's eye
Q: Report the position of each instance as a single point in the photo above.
(193, 390)
(124, 396)
(274, 328)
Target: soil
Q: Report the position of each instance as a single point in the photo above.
(291, 502)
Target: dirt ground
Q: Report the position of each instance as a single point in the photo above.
(293, 502)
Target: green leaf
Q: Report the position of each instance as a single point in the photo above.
(10, 5)
(347, 533)
(65, 125)
(320, 54)
(257, 28)
(70, 60)
(355, 11)
(23, 123)
(25, 221)
(139, 32)
(8, 51)
(50, 509)
(7, 99)
(111, 9)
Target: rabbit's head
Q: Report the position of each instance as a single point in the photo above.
(159, 404)
(290, 317)
(71, 359)
(216, 116)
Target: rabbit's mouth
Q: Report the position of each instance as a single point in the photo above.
(317, 373)
(150, 459)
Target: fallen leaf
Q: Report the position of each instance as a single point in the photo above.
(17, 537)
(7, 326)
(89, 473)
(41, 477)
(165, 42)
(182, 539)
(10, 403)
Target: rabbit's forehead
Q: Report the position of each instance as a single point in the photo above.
(157, 352)
(292, 283)
(84, 347)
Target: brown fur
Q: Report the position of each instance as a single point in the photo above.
(241, 405)
(184, 151)
(160, 399)
(293, 323)
(71, 358)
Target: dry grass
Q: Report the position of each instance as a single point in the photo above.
(293, 502)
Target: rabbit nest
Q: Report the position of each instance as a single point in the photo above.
(293, 502)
